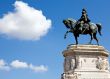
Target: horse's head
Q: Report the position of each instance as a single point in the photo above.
(69, 22)
(66, 23)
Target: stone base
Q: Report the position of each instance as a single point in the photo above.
(86, 75)
(86, 62)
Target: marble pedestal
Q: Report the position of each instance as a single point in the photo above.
(85, 62)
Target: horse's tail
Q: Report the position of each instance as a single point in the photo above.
(99, 28)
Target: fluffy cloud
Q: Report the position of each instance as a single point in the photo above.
(19, 64)
(25, 23)
(3, 65)
(40, 68)
(2, 62)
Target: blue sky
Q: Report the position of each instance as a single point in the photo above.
(19, 47)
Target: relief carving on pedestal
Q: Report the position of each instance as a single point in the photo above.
(69, 76)
(85, 60)
(102, 63)
(69, 64)
(73, 64)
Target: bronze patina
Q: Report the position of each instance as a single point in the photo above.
(82, 26)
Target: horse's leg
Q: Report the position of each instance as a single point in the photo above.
(94, 35)
(75, 35)
(91, 38)
(66, 34)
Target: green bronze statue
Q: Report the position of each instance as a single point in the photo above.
(84, 19)
(82, 26)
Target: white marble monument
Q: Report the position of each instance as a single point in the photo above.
(86, 62)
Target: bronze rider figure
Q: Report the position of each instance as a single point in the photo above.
(84, 19)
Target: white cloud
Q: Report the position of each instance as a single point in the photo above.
(40, 68)
(25, 23)
(2, 62)
(3, 65)
(19, 64)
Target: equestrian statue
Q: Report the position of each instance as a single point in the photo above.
(82, 26)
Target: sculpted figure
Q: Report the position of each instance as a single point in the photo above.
(83, 26)
(74, 28)
(84, 20)
(102, 64)
(67, 64)
(73, 64)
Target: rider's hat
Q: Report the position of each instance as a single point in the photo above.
(83, 10)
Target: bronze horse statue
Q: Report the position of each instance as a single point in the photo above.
(75, 28)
